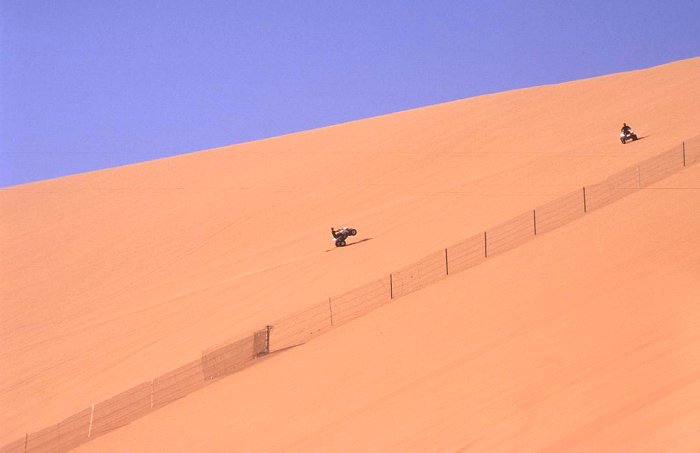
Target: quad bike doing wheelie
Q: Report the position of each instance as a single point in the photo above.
(339, 236)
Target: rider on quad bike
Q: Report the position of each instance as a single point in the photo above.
(626, 133)
(342, 234)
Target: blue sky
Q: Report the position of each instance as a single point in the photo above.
(89, 84)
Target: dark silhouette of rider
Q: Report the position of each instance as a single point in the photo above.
(625, 129)
(339, 234)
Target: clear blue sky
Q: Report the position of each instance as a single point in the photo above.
(88, 84)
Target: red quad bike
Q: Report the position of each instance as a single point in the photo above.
(628, 135)
(339, 236)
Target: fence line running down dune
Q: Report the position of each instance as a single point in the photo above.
(296, 329)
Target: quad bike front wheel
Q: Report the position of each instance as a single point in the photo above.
(353, 232)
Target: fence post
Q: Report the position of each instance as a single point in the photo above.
(330, 309)
(486, 250)
(534, 220)
(447, 264)
(268, 328)
(92, 414)
(391, 286)
(684, 153)
(26, 441)
(585, 208)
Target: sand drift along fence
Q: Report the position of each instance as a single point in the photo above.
(143, 398)
(296, 329)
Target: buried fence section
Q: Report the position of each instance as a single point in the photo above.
(418, 275)
(178, 383)
(559, 212)
(261, 342)
(74, 430)
(510, 234)
(691, 151)
(299, 327)
(659, 167)
(121, 409)
(466, 254)
(612, 189)
(359, 301)
(221, 361)
(46, 439)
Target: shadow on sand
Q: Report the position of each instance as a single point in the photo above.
(358, 242)
(638, 138)
(350, 244)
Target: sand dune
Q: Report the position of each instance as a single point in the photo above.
(112, 277)
(585, 339)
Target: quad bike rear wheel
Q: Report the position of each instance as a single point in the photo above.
(340, 243)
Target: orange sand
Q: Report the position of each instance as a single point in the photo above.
(585, 339)
(112, 277)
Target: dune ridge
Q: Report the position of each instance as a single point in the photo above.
(224, 359)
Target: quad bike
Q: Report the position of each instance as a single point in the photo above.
(627, 135)
(339, 236)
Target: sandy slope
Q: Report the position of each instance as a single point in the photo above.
(585, 339)
(110, 278)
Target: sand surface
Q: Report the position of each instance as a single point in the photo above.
(113, 277)
(585, 339)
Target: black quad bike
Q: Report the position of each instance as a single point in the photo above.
(627, 135)
(339, 236)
